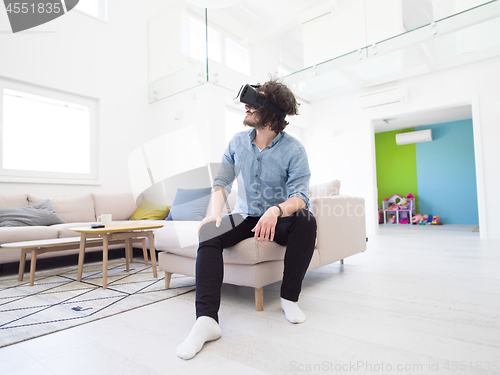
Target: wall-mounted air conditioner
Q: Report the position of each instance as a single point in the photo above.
(414, 137)
(389, 96)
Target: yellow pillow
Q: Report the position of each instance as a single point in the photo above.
(150, 211)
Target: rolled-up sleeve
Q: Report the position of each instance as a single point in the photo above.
(299, 176)
(227, 171)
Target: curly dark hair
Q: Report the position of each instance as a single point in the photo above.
(280, 95)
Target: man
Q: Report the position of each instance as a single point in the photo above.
(271, 206)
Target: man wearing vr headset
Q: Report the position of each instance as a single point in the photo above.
(272, 205)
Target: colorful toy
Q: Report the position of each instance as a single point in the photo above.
(403, 204)
(417, 219)
(420, 219)
(435, 221)
(402, 209)
(426, 219)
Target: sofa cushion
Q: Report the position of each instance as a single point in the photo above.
(250, 251)
(13, 200)
(190, 204)
(18, 234)
(120, 206)
(72, 208)
(181, 238)
(150, 211)
(178, 236)
(42, 214)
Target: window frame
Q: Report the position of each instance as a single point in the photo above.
(27, 176)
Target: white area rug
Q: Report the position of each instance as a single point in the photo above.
(57, 301)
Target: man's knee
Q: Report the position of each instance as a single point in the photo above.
(305, 219)
(208, 232)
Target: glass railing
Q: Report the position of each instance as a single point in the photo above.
(320, 48)
(177, 50)
(463, 37)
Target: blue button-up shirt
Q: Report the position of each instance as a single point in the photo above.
(266, 177)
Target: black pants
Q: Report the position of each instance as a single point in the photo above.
(297, 232)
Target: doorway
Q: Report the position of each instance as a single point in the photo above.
(441, 121)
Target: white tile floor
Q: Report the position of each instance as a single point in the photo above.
(420, 300)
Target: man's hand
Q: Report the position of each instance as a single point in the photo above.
(266, 225)
(208, 219)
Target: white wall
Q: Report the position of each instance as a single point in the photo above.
(105, 61)
(202, 107)
(341, 143)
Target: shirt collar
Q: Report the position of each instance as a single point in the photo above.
(251, 134)
(276, 139)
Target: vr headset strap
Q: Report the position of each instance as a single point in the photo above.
(264, 102)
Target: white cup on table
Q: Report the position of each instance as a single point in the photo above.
(105, 219)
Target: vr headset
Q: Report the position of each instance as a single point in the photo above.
(248, 95)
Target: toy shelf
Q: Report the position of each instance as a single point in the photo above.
(402, 213)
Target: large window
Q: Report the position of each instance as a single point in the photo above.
(194, 39)
(46, 136)
(237, 56)
(222, 47)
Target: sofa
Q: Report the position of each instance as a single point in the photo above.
(75, 211)
(341, 233)
(340, 221)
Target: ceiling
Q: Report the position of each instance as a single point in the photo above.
(281, 26)
(362, 43)
(281, 19)
(411, 120)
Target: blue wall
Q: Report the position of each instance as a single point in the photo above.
(446, 173)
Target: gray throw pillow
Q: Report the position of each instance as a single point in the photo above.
(42, 213)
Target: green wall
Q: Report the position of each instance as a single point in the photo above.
(396, 166)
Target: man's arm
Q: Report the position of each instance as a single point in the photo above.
(298, 192)
(219, 196)
(289, 207)
(222, 187)
(266, 226)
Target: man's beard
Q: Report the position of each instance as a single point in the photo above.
(253, 122)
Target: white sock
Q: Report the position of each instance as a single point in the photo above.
(205, 329)
(293, 313)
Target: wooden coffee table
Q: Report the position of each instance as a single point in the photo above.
(37, 247)
(125, 232)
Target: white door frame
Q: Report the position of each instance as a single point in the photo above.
(478, 153)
